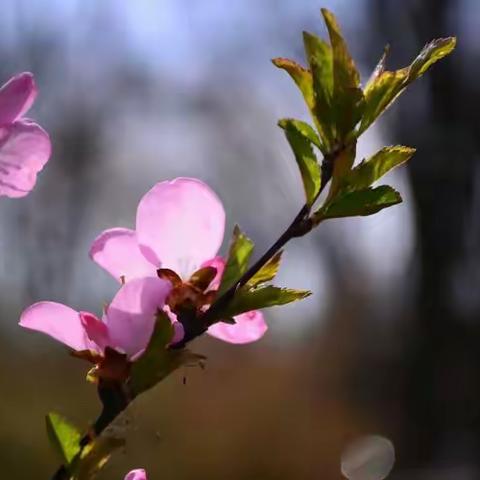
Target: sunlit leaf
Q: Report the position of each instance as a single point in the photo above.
(158, 361)
(385, 86)
(380, 94)
(379, 68)
(267, 272)
(369, 171)
(320, 58)
(359, 203)
(63, 436)
(348, 101)
(342, 167)
(301, 136)
(301, 76)
(241, 249)
(247, 299)
(431, 53)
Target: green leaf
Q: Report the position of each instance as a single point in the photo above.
(300, 135)
(384, 86)
(380, 67)
(369, 171)
(301, 76)
(342, 167)
(267, 272)
(359, 203)
(158, 361)
(432, 52)
(380, 94)
(348, 100)
(345, 71)
(320, 58)
(241, 249)
(63, 436)
(247, 299)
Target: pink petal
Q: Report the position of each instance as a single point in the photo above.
(16, 97)
(250, 327)
(24, 149)
(117, 251)
(180, 223)
(219, 264)
(178, 330)
(96, 330)
(139, 474)
(130, 317)
(58, 321)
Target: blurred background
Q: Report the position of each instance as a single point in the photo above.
(137, 92)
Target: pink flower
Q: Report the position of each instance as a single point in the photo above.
(126, 326)
(180, 226)
(139, 474)
(24, 146)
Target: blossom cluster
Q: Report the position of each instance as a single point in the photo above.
(179, 229)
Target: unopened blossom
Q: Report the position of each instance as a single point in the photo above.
(180, 227)
(24, 146)
(139, 474)
(126, 325)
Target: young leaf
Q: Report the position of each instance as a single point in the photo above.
(347, 95)
(241, 249)
(345, 71)
(432, 52)
(320, 58)
(301, 136)
(158, 361)
(380, 94)
(301, 76)
(383, 88)
(380, 67)
(247, 299)
(342, 168)
(63, 436)
(267, 272)
(359, 203)
(369, 171)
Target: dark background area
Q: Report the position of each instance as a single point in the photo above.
(137, 92)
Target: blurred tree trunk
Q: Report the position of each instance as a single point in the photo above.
(441, 394)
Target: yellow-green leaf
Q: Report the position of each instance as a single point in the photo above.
(369, 171)
(241, 249)
(385, 86)
(358, 203)
(301, 136)
(342, 167)
(267, 272)
(380, 94)
(247, 299)
(301, 76)
(345, 71)
(320, 58)
(63, 436)
(348, 100)
(431, 53)
(379, 68)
